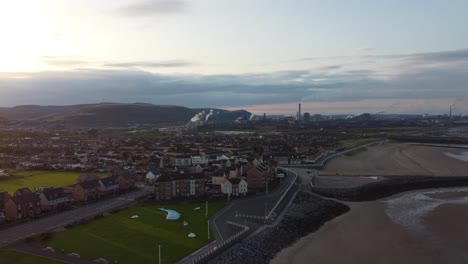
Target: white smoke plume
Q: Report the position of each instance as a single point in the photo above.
(209, 115)
(198, 117)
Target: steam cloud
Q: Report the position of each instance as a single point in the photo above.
(209, 115)
(198, 117)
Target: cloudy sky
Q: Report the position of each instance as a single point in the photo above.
(334, 56)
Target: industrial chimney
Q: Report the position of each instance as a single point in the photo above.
(300, 116)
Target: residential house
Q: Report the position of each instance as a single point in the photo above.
(183, 161)
(152, 175)
(54, 198)
(86, 177)
(179, 185)
(259, 175)
(22, 191)
(108, 185)
(4, 196)
(86, 191)
(234, 186)
(202, 160)
(23, 205)
(126, 180)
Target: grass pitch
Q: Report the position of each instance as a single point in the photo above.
(33, 179)
(119, 238)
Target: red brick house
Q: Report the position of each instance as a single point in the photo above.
(86, 191)
(21, 191)
(125, 179)
(179, 185)
(108, 185)
(23, 205)
(4, 196)
(258, 175)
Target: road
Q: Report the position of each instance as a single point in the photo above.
(38, 226)
(256, 206)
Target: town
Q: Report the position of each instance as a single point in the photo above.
(175, 167)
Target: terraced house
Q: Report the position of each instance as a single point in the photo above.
(180, 185)
(23, 204)
(54, 198)
(259, 175)
(108, 185)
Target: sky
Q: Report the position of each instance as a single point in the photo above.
(265, 56)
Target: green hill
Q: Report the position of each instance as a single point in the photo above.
(113, 114)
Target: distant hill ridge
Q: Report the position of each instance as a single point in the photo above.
(116, 114)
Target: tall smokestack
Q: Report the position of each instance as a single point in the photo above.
(300, 116)
(450, 115)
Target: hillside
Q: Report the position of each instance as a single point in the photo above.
(113, 114)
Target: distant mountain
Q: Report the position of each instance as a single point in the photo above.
(115, 114)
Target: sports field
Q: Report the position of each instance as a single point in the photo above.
(119, 238)
(16, 257)
(33, 179)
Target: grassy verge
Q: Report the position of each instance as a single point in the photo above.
(16, 257)
(119, 238)
(33, 179)
(353, 143)
(355, 152)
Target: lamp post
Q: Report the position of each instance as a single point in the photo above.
(159, 249)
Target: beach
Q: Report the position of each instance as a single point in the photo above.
(418, 226)
(425, 226)
(400, 159)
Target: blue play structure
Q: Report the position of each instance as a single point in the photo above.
(171, 214)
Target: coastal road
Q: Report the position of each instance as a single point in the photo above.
(260, 206)
(21, 231)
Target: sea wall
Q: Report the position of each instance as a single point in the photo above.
(389, 186)
(305, 215)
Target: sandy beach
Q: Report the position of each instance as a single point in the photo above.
(400, 159)
(413, 227)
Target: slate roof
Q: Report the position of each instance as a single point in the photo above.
(179, 176)
(89, 184)
(26, 198)
(109, 181)
(86, 177)
(54, 193)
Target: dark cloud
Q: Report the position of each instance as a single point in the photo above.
(150, 64)
(409, 78)
(153, 7)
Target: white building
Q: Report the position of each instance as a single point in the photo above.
(234, 187)
(183, 161)
(152, 175)
(202, 160)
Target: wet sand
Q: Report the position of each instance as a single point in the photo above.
(399, 159)
(447, 224)
(365, 235)
(407, 228)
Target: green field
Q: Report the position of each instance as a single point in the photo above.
(119, 238)
(16, 257)
(353, 143)
(33, 179)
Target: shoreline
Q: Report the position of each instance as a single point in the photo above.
(367, 232)
(307, 214)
